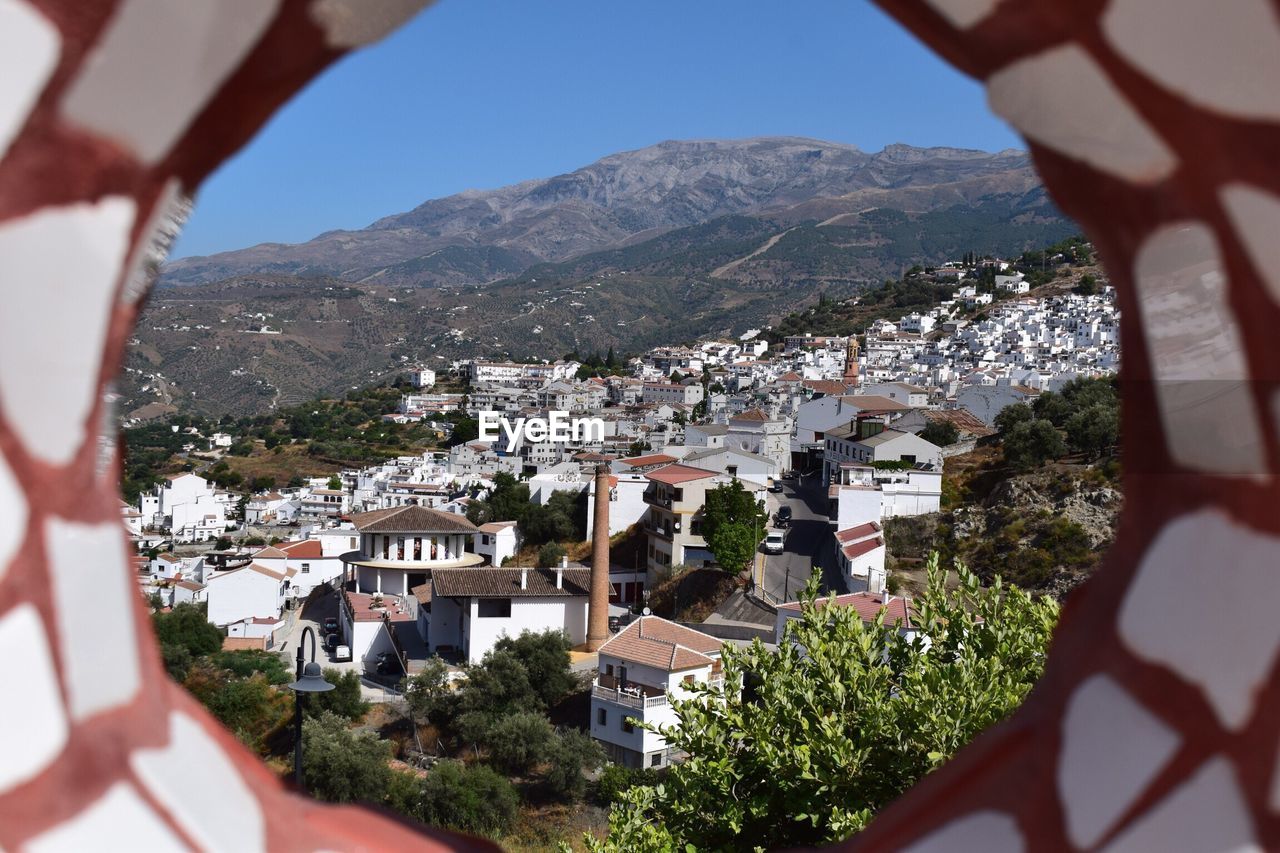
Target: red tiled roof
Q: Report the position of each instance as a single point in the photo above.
(751, 415)
(856, 549)
(874, 403)
(496, 526)
(411, 519)
(651, 459)
(862, 531)
(868, 605)
(673, 475)
(826, 386)
(306, 549)
(653, 641)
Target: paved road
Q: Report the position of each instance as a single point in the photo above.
(808, 542)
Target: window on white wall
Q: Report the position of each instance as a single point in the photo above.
(493, 608)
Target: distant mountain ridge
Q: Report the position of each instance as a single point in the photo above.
(618, 199)
(666, 244)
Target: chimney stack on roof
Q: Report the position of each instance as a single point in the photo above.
(524, 578)
(598, 603)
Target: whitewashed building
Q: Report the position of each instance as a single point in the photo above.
(640, 670)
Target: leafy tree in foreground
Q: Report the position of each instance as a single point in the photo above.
(840, 729)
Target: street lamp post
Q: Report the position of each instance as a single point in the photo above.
(310, 680)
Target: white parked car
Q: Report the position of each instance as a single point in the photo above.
(774, 542)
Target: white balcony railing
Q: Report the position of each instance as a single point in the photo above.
(624, 696)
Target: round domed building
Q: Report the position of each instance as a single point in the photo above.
(399, 547)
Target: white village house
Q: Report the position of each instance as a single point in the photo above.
(640, 669)
(468, 610)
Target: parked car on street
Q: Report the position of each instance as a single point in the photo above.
(774, 542)
(330, 642)
(330, 624)
(776, 487)
(784, 516)
(342, 653)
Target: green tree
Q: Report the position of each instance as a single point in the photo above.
(427, 692)
(177, 660)
(941, 433)
(544, 656)
(1094, 430)
(549, 555)
(498, 685)
(344, 700)
(1012, 415)
(731, 502)
(1032, 443)
(188, 625)
(570, 753)
(250, 707)
(343, 766)
(616, 779)
(1087, 286)
(518, 742)
(733, 544)
(471, 799)
(335, 482)
(842, 719)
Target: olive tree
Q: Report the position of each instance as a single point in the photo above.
(841, 720)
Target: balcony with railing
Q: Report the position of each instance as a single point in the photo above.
(659, 530)
(632, 694)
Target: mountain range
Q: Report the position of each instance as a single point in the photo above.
(670, 242)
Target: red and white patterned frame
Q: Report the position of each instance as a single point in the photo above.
(1153, 123)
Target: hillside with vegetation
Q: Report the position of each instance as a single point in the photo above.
(1037, 504)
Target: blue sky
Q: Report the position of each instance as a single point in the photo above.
(483, 93)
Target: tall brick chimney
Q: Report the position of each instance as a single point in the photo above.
(598, 604)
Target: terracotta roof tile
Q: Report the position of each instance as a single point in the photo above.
(653, 641)
(868, 605)
(862, 531)
(673, 475)
(412, 519)
(652, 459)
(856, 549)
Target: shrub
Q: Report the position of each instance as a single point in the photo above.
(549, 555)
(519, 742)
(615, 780)
(188, 625)
(471, 799)
(344, 699)
(571, 753)
(342, 766)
